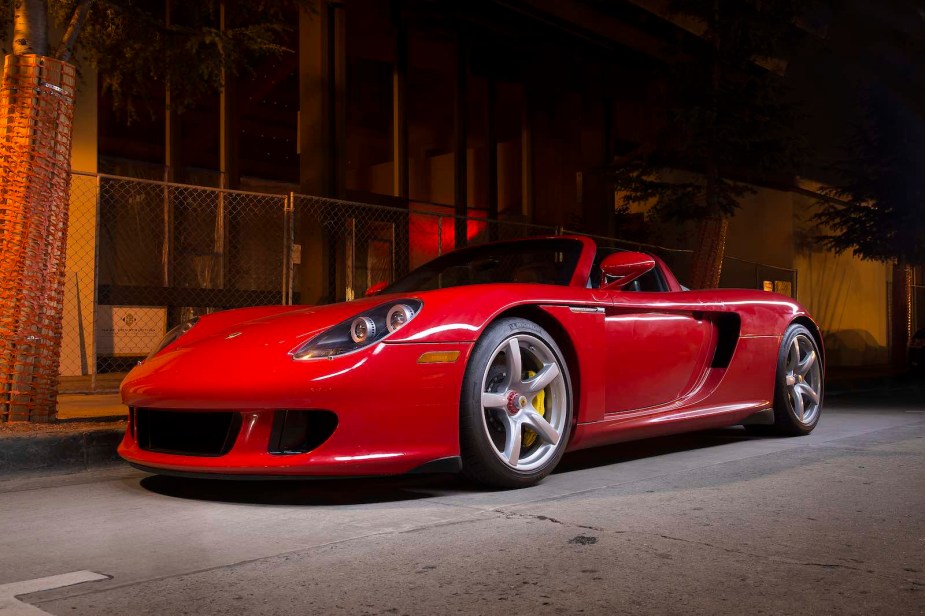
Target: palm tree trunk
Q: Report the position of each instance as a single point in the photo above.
(36, 111)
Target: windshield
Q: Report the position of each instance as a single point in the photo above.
(542, 261)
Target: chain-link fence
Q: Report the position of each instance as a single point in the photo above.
(144, 256)
(341, 249)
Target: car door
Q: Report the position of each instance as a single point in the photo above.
(658, 348)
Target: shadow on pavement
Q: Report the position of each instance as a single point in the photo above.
(651, 447)
(307, 492)
(361, 491)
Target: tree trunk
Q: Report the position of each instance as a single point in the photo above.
(36, 110)
(901, 312)
(711, 232)
(30, 27)
(709, 252)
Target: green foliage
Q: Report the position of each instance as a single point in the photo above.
(730, 119)
(132, 47)
(878, 211)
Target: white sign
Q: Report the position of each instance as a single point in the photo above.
(129, 330)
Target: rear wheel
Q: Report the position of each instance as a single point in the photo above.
(799, 388)
(516, 406)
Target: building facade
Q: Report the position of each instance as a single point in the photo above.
(492, 110)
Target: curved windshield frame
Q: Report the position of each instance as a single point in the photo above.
(541, 261)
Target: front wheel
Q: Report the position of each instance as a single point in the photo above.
(516, 406)
(799, 388)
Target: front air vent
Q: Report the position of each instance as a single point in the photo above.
(188, 433)
(300, 431)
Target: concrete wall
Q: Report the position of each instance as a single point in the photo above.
(847, 296)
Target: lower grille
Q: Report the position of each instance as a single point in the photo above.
(300, 431)
(190, 433)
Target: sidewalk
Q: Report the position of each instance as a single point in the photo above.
(88, 430)
(99, 407)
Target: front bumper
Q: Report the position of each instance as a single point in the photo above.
(394, 414)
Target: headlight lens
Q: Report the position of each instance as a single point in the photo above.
(360, 331)
(398, 315)
(173, 335)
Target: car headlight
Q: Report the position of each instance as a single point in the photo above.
(173, 335)
(360, 331)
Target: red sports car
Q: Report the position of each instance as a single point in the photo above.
(492, 361)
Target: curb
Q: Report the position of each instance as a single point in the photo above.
(68, 451)
(844, 387)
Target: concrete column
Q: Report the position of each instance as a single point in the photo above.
(460, 159)
(526, 144)
(400, 185)
(322, 71)
(322, 137)
(491, 138)
(229, 127)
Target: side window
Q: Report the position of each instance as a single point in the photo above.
(653, 282)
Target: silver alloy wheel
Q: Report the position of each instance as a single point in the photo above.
(803, 379)
(508, 397)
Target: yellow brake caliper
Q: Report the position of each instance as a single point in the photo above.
(539, 403)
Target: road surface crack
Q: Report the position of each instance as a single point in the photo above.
(511, 515)
(776, 559)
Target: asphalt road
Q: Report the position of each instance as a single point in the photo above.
(714, 522)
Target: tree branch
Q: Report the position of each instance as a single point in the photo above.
(66, 47)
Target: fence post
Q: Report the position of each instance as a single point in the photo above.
(287, 265)
(96, 288)
(218, 239)
(350, 266)
(168, 243)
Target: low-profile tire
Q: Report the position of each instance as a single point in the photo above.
(505, 440)
(799, 387)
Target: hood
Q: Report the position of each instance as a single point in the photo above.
(252, 329)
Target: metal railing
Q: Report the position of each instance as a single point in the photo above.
(145, 255)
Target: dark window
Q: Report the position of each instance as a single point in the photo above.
(540, 262)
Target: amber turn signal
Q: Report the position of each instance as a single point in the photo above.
(438, 357)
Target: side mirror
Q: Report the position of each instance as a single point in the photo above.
(624, 268)
(376, 288)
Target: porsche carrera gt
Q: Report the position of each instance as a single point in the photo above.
(492, 361)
